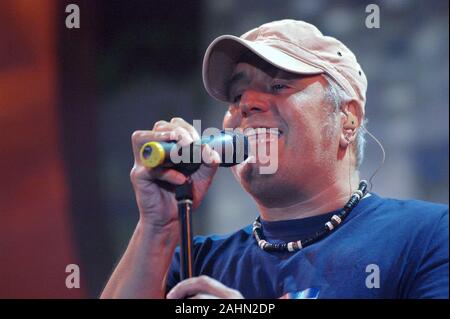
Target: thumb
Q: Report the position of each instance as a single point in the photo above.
(210, 163)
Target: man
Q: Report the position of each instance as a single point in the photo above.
(286, 75)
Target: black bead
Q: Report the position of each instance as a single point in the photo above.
(354, 200)
(342, 214)
(363, 187)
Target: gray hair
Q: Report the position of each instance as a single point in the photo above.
(338, 97)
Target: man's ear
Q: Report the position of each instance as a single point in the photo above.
(351, 117)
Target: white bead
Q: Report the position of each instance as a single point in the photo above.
(290, 247)
(337, 219)
(262, 243)
(329, 225)
(359, 193)
(299, 244)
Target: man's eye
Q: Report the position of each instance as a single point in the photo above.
(279, 87)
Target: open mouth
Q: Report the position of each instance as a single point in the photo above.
(263, 138)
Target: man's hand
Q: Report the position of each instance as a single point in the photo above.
(154, 188)
(202, 287)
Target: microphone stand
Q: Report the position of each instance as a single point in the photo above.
(183, 195)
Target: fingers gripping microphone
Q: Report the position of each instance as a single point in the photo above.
(231, 146)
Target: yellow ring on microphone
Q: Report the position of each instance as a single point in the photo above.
(152, 154)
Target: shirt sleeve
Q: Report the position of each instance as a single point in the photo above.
(431, 278)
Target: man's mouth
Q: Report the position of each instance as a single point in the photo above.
(263, 139)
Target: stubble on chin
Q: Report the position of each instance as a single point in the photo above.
(266, 189)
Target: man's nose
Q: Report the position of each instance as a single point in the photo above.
(253, 102)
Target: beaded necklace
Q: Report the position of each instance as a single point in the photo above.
(335, 221)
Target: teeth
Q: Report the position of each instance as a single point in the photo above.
(261, 131)
(263, 135)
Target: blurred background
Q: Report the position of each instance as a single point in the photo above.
(70, 99)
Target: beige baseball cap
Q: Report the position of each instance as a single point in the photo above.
(290, 45)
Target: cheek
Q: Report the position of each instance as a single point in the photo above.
(301, 116)
(307, 119)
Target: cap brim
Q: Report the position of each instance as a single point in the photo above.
(224, 52)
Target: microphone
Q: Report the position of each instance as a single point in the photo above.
(231, 146)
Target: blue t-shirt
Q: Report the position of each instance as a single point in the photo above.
(386, 248)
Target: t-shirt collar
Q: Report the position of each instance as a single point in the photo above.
(295, 229)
